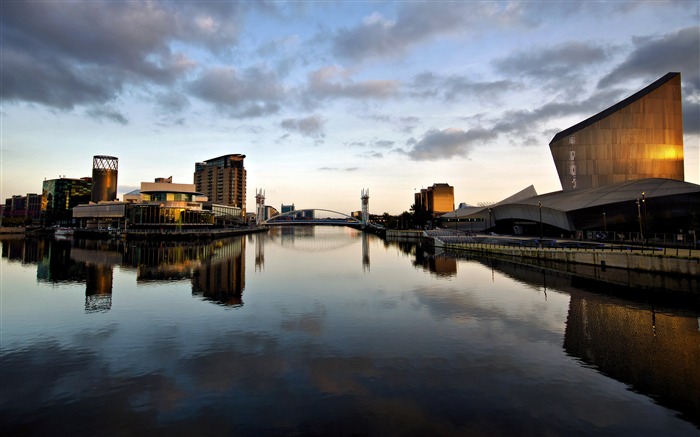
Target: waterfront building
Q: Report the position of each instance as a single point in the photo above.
(60, 196)
(639, 137)
(161, 203)
(222, 180)
(287, 208)
(23, 207)
(621, 173)
(104, 178)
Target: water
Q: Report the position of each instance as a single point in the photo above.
(324, 330)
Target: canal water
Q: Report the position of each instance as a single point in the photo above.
(325, 330)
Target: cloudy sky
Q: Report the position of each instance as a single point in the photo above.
(327, 98)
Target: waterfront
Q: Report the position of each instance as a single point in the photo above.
(325, 330)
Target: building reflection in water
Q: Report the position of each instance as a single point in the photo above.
(649, 341)
(221, 277)
(98, 288)
(365, 252)
(437, 264)
(656, 352)
(216, 270)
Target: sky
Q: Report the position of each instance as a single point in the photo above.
(326, 98)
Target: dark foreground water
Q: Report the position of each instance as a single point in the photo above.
(324, 330)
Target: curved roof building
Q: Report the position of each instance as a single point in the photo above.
(620, 170)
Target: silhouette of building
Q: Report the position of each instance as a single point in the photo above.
(222, 180)
(26, 207)
(639, 137)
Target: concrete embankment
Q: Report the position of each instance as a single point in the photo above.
(654, 262)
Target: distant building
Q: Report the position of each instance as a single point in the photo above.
(639, 137)
(24, 207)
(435, 200)
(60, 196)
(287, 208)
(222, 180)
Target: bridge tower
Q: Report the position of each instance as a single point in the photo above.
(365, 206)
(259, 206)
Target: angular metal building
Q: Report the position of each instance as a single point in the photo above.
(639, 137)
(104, 178)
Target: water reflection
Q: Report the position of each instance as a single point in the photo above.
(216, 270)
(655, 351)
(421, 344)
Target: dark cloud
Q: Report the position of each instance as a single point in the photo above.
(654, 57)
(250, 93)
(107, 113)
(172, 102)
(553, 62)
(63, 54)
(450, 88)
(416, 22)
(311, 126)
(330, 82)
(448, 143)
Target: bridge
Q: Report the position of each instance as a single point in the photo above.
(314, 216)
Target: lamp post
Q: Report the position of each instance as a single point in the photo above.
(639, 215)
(539, 205)
(489, 218)
(605, 226)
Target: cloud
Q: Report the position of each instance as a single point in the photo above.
(450, 88)
(64, 54)
(311, 126)
(562, 59)
(417, 22)
(338, 169)
(330, 82)
(172, 102)
(652, 57)
(251, 93)
(107, 113)
(448, 143)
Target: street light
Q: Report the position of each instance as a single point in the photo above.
(489, 218)
(539, 205)
(605, 226)
(639, 215)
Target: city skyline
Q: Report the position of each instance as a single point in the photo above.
(326, 99)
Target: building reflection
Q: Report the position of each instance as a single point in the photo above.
(216, 270)
(98, 288)
(649, 341)
(437, 264)
(656, 352)
(221, 277)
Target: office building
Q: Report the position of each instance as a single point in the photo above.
(60, 196)
(222, 180)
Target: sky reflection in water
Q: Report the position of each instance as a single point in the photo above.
(322, 330)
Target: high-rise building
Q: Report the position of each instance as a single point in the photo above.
(639, 137)
(222, 180)
(438, 199)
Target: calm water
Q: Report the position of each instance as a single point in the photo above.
(324, 330)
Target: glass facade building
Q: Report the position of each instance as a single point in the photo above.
(60, 196)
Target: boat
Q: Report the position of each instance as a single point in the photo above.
(64, 233)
